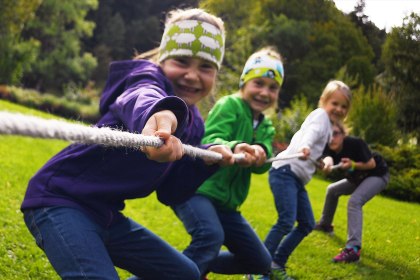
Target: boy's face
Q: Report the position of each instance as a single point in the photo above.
(191, 78)
(336, 106)
(260, 93)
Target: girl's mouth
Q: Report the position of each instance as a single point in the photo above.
(188, 89)
(261, 102)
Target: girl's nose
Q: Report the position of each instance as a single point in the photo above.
(191, 74)
(265, 91)
(341, 110)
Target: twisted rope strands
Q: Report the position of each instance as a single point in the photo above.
(18, 124)
(273, 159)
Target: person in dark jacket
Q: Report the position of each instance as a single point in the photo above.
(366, 175)
(73, 204)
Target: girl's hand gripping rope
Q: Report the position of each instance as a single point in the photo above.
(225, 151)
(162, 124)
(306, 152)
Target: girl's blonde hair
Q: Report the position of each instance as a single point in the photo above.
(332, 87)
(194, 14)
(179, 15)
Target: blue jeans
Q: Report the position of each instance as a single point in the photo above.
(79, 248)
(210, 228)
(292, 204)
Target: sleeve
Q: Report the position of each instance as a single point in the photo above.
(145, 94)
(220, 122)
(265, 140)
(315, 127)
(177, 187)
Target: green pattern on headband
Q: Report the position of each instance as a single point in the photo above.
(193, 38)
(262, 65)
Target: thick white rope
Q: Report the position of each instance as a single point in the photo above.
(19, 124)
(336, 166)
(296, 155)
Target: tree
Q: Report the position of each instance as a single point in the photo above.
(315, 45)
(375, 36)
(401, 58)
(16, 54)
(59, 27)
(237, 16)
(126, 27)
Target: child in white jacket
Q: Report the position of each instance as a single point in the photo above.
(288, 177)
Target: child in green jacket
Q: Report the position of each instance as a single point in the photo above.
(211, 217)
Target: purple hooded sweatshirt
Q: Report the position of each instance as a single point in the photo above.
(97, 179)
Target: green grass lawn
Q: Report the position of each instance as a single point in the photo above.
(391, 235)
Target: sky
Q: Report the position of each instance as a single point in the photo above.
(383, 13)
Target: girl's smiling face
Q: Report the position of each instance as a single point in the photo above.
(192, 78)
(260, 93)
(337, 106)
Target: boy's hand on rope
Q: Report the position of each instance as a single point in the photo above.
(260, 155)
(252, 155)
(225, 151)
(162, 124)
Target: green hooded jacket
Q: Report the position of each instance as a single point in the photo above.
(230, 122)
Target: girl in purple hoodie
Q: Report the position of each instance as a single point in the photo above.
(73, 203)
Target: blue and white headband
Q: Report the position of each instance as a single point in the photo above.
(262, 65)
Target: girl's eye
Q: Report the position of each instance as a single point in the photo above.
(207, 66)
(181, 60)
(274, 88)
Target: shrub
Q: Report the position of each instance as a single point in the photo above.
(73, 109)
(404, 167)
(373, 117)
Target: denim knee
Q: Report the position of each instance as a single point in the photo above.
(192, 273)
(215, 236)
(285, 225)
(306, 227)
(263, 263)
